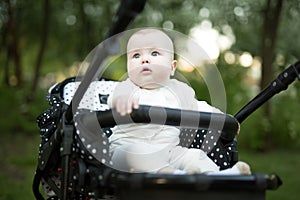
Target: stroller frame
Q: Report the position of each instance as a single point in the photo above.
(61, 155)
(72, 172)
(53, 118)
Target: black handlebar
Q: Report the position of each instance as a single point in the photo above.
(281, 83)
(225, 123)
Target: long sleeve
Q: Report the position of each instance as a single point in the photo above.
(187, 98)
(124, 89)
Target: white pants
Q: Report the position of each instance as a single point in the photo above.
(145, 157)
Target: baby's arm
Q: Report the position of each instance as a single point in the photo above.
(203, 106)
(188, 100)
(124, 97)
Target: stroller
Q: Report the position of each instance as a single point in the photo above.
(74, 160)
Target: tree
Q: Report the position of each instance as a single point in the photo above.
(270, 29)
(13, 51)
(44, 35)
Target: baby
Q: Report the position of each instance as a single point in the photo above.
(148, 147)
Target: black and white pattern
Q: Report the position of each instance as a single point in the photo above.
(209, 142)
(91, 143)
(95, 98)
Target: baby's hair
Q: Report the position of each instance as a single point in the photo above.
(149, 30)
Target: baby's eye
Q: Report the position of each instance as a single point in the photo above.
(136, 55)
(154, 53)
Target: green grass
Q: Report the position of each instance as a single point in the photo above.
(285, 163)
(17, 165)
(18, 154)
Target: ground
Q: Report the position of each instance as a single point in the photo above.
(18, 153)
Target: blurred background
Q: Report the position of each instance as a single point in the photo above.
(251, 42)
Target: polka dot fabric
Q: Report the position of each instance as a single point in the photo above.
(90, 147)
(91, 143)
(48, 120)
(95, 98)
(209, 141)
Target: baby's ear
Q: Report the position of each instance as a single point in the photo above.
(174, 65)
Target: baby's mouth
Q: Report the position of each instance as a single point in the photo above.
(146, 69)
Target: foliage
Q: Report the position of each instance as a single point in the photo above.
(17, 114)
(285, 116)
(76, 27)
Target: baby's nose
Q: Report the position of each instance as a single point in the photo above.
(145, 60)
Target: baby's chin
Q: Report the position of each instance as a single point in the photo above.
(149, 81)
(151, 85)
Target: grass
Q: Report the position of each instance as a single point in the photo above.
(17, 165)
(283, 162)
(18, 154)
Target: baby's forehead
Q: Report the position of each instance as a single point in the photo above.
(147, 39)
(149, 48)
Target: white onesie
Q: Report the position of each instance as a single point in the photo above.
(150, 147)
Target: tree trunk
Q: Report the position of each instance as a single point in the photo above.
(86, 43)
(4, 47)
(44, 36)
(13, 43)
(6, 65)
(270, 27)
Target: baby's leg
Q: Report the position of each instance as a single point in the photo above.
(240, 168)
(140, 157)
(192, 161)
(170, 170)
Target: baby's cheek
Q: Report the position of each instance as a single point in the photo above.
(164, 72)
(132, 75)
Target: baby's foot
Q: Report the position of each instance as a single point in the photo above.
(179, 172)
(240, 168)
(170, 170)
(243, 167)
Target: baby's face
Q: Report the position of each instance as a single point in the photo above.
(150, 59)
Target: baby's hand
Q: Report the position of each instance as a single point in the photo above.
(125, 104)
(125, 97)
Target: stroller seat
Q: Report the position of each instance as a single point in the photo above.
(74, 160)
